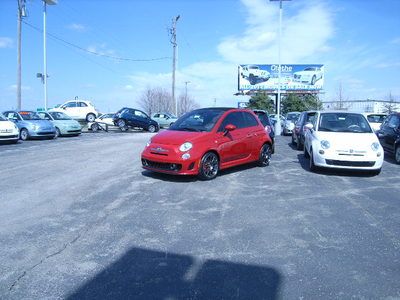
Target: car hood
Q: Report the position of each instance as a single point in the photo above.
(42, 123)
(304, 72)
(71, 123)
(347, 140)
(174, 137)
(6, 125)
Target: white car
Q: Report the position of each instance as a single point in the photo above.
(78, 109)
(102, 122)
(8, 130)
(290, 119)
(254, 74)
(309, 75)
(375, 120)
(164, 119)
(342, 140)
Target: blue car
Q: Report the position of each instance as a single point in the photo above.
(31, 125)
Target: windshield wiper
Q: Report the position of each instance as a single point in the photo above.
(189, 129)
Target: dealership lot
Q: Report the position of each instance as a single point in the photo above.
(81, 219)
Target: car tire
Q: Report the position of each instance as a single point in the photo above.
(171, 124)
(252, 79)
(90, 117)
(209, 166)
(58, 133)
(397, 155)
(293, 141)
(151, 128)
(122, 125)
(264, 158)
(299, 144)
(313, 80)
(306, 155)
(24, 134)
(313, 167)
(376, 172)
(94, 127)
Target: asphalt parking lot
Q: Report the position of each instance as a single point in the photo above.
(80, 219)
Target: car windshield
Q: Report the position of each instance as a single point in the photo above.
(29, 115)
(343, 122)
(292, 117)
(2, 117)
(310, 69)
(376, 118)
(60, 116)
(198, 120)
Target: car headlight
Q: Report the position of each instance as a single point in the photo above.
(325, 144)
(375, 146)
(148, 143)
(185, 147)
(35, 127)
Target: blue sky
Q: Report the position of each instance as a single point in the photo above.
(358, 41)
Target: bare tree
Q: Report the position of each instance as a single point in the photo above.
(156, 100)
(390, 106)
(186, 104)
(340, 98)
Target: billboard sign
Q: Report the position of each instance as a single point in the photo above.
(293, 77)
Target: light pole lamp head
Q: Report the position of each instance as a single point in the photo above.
(50, 2)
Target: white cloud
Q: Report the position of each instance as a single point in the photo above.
(77, 27)
(101, 49)
(6, 42)
(304, 36)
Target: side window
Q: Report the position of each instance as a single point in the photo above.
(157, 116)
(140, 114)
(70, 104)
(394, 121)
(249, 120)
(82, 104)
(234, 118)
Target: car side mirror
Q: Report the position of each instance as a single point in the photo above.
(228, 128)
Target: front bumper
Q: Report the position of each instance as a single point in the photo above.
(357, 160)
(41, 133)
(169, 162)
(9, 136)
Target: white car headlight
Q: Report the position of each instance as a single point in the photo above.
(185, 147)
(148, 143)
(325, 144)
(375, 146)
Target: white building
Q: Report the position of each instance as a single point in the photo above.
(375, 106)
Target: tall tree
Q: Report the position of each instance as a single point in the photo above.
(261, 100)
(301, 102)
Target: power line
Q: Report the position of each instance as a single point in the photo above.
(93, 52)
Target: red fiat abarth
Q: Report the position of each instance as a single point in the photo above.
(207, 140)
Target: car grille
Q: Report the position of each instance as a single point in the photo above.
(8, 136)
(45, 133)
(161, 166)
(74, 131)
(345, 163)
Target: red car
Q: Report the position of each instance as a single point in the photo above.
(207, 140)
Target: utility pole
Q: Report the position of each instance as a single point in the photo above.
(174, 44)
(45, 3)
(185, 104)
(21, 14)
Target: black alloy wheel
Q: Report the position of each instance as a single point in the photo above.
(265, 155)
(209, 166)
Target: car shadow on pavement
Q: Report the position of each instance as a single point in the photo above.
(304, 163)
(389, 158)
(149, 274)
(193, 178)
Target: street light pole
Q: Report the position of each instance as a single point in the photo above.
(278, 100)
(185, 105)
(45, 3)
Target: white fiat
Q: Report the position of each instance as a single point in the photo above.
(342, 140)
(8, 130)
